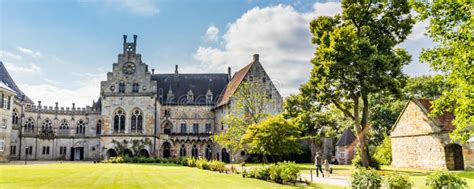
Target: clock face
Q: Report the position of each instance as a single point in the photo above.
(128, 68)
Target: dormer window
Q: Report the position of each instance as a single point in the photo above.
(135, 87)
(121, 87)
(190, 96)
(209, 96)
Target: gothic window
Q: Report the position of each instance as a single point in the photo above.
(29, 150)
(13, 150)
(137, 121)
(30, 125)
(62, 150)
(250, 78)
(121, 87)
(196, 128)
(167, 128)
(183, 128)
(208, 152)
(45, 150)
(64, 126)
(194, 152)
(208, 128)
(47, 126)
(167, 113)
(135, 87)
(98, 127)
(119, 121)
(182, 151)
(15, 117)
(81, 127)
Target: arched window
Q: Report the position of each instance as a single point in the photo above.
(166, 150)
(182, 151)
(81, 127)
(167, 128)
(64, 127)
(119, 121)
(30, 125)
(47, 125)
(15, 117)
(194, 152)
(121, 87)
(98, 127)
(137, 121)
(135, 87)
(208, 152)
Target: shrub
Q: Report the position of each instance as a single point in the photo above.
(115, 160)
(357, 161)
(398, 181)
(191, 162)
(275, 173)
(289, 172)
(262, 173)
(383, 152)
(444, 179)
(202, 164)
(365, 179)
(218, 166)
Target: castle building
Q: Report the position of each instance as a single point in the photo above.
(138, 113)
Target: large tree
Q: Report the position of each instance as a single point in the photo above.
(356, 56)
(249, 105)
(452, 28)
(275, 137)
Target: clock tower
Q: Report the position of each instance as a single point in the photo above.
(128, 98)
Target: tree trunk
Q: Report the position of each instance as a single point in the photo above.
(364, 156)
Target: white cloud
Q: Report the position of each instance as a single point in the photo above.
(29, 52)
(88, 90)
(418, 31)
(279, 34)
(19, 69)
(212, 34)
(9, 56)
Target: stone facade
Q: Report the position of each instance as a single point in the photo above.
(145, 113)
(422, 142)
(7, 96)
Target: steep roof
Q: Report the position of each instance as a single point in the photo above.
(181, 84)
(234, 84)
(445, 120)
(346, 139)
(7, 79)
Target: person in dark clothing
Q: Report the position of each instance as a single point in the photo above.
(318, 161)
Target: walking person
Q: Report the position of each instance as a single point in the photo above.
(318, 159)
(327, 168)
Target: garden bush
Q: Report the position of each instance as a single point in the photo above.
(114, 160)
(445, 180)
(357, 162)
(383, 152)
(398, 181)
(365, 179)
(280, 173)
(202, 164)
(289, 172)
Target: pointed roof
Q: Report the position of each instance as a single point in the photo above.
(445, 121)
(346, 139)
(7, 79)
(234, 84)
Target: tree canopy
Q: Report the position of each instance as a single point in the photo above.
(451, 28)
(356, 56)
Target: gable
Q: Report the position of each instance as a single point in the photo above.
(414, 121)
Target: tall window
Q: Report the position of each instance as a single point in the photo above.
(15, 117)
(121, 87)
(2, 145)
(182, 151)
(30, 125)
(64, 127)
(47, 126)
(6, 101)
(119, 121)
(196, 128)
(12, 150)
(45, 150)
(137, 121)
(209, 98)
(98, 127)
(167, 128)
(81, 127)
(208, 152)
(183, 128)
(29, 150)
(135, 87)
(208, 128)
(194, 152)
(62, 150)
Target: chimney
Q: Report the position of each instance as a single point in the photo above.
(255, 57)
(229, 73)
(39, 104)
(124, 43)
(135, 39)
(176, 71)
(152, 71)
(124, 39)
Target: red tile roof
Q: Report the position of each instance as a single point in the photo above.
(446, 120)
(233, 85)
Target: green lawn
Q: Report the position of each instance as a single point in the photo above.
(122, 176)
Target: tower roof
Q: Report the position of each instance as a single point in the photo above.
(346, 139)
(7, 79)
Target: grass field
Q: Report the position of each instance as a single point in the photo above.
(123, 176)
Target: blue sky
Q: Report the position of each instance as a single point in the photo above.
(63, 49)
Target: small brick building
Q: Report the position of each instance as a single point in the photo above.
(345, 147)
(420, 141)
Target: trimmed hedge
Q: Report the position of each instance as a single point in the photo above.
(286, 172)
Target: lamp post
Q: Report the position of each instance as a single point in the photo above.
(26, 154)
